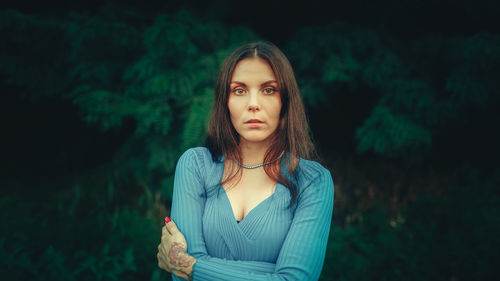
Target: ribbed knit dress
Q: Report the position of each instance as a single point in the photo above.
(273, 241)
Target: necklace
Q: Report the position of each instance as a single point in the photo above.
(258, 165)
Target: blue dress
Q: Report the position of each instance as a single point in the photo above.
(272, 242)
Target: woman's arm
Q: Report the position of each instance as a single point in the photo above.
(187, 210)
(303, 251)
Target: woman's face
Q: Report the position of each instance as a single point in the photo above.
(254, 101)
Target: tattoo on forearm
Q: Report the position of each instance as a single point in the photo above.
(179, 258)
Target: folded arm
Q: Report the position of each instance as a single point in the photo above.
(303, 251)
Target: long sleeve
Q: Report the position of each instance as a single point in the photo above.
(187, 210)
(302, 254)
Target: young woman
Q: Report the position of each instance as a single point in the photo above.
(249, 206)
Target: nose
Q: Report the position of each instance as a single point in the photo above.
(253, 103)
(253, 108)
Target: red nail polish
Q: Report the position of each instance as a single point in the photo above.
(167, 219)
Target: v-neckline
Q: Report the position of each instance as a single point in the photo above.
(261, 203)
(250, 213)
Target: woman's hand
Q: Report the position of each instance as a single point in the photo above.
(172, 252)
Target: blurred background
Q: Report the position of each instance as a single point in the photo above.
(100, 98)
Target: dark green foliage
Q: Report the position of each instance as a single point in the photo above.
(419, 90)
(452, 236)
(83, 233)
(150, 79)
(392, 135)
(77, 236)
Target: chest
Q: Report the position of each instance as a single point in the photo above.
(260, 234)
(254, 187)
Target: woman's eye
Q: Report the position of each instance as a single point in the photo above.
(269, 91)
(238, 91)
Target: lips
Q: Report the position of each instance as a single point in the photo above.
(253, 121)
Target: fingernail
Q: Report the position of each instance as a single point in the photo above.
(167, 219)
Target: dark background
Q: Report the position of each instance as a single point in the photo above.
(100, 98)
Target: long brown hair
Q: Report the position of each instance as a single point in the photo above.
(292, 134)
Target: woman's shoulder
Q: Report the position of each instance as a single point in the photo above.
(310, 171)
(200, 161)
(201, 156)
(200, 153)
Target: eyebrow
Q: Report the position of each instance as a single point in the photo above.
(265, 83)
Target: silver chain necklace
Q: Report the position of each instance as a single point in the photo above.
(258, 165)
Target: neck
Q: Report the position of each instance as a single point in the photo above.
(253, 153)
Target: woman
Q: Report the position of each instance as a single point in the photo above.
(248, 206)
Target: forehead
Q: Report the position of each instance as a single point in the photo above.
(252, 69)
